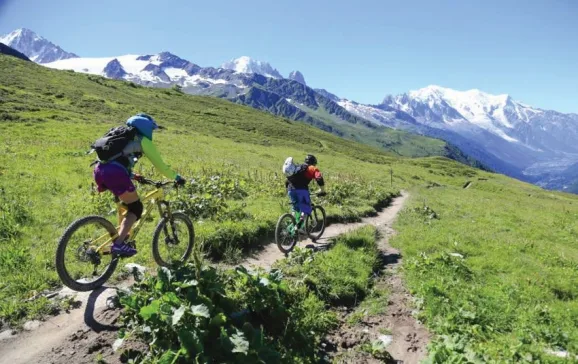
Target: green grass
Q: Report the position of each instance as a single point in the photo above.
(341, 275)
(512, 296)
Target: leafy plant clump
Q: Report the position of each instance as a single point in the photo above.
(205, 197)
(238, 316)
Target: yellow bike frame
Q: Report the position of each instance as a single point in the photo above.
(156, 196)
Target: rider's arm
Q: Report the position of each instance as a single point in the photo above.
(153, 155)
(314, 173)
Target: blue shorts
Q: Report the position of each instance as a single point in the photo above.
(301, 201)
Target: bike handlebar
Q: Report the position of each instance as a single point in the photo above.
(157, 184)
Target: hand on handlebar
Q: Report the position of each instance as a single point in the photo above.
(180, 181)
(137, 177)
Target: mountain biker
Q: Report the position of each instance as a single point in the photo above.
(298, 188)
(115, 175)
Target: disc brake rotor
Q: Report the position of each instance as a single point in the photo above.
(82, 252)
(86, 253)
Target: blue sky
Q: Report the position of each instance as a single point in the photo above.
(360, 50)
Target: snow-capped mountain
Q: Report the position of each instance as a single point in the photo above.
(248, 65)
(297, 76)
(34, 46)
(160, 70)
(496, 114)
(524, 141)
(467, 111)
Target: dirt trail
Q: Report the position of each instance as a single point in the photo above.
(78, 336)
(409, 337)
(270, 253)
(55, 340)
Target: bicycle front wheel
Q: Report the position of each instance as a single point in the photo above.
(315, 223)
(79, 264)
(173, 240)
(286, 233)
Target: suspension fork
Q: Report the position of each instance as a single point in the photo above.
(167, 214)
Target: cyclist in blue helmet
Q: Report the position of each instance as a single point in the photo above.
(115, 175)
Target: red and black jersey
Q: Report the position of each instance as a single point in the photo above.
(301, 179)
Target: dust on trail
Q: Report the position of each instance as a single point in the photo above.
(80, 335)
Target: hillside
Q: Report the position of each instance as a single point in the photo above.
(4, 49)
(491, 261)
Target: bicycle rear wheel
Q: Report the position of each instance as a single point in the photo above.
(178, 237)
(78, 264)
(286, 233)
(315, 223)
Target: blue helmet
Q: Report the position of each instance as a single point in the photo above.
(144, 123)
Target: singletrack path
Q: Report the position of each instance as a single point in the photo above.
(81, 334)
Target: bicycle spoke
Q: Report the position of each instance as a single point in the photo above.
(81, 259)
(173, 242)
(288, 232)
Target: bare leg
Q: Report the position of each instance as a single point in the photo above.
(130, 218)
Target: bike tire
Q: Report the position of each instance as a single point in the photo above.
(320, 210)
(177, 215)
(61, 250)
(279, 230)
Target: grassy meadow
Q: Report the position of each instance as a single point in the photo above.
(493, 267)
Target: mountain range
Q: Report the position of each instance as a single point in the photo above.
(506, 135)
(35, 47)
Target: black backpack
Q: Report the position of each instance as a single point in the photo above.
(111, 145)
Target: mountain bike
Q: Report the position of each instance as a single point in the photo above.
(287, 231)
(84, 260)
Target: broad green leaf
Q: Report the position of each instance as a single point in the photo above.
(129, 301)
(178, 314)
(164, 276)
(190, 342)
(241, 345)
(168, 357)
(200, 311)
(172, 298)
(147, 312)
(186, 284)
(218, 320)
